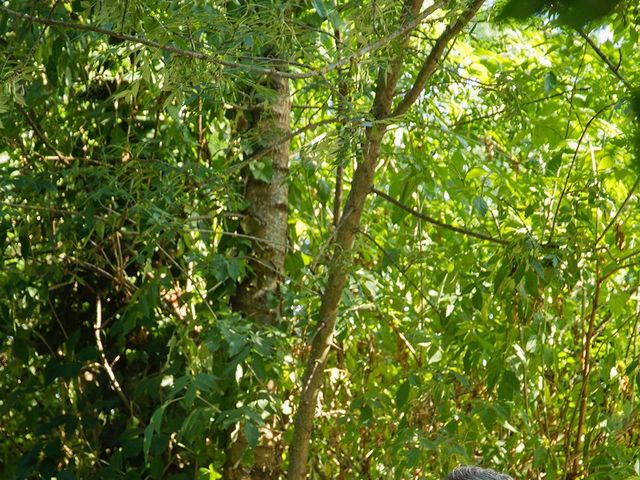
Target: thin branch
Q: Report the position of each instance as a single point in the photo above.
(438, 223)
(614, 68)
(615, 217)
(372, 47)
(402, 272)
(343, 150)
(628, 256)
(573, 161)
(105, 364)
(617, 268)
(284, 138)
(505, 109)
(572, 97)
(586, 371)
(431, 63)
(43, 138)
(138, 40)
(190, 278)
(403, 339)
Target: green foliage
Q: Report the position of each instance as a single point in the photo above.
(123, 243)
(575, 13)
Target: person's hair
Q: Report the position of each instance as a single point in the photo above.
(476, 473)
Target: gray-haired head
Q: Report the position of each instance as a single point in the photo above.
(476, 473)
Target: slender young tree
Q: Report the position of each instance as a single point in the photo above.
(383, 111)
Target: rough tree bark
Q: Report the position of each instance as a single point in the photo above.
(267, 214)
(350, 220)
(257, 297)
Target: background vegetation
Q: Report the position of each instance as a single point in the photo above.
(185, 290)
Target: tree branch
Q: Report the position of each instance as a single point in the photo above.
(372, 47)
(614, 68)
(573, 161)
(431, 63)
(404, 274)
(343, 247)
(615, 217)
(438, 223)
(505, 108)
(43, 138)
(259, 154)
(586, 371)
(339, 266)
(115, 385)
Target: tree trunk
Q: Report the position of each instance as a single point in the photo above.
(350, 223)
(257, 297)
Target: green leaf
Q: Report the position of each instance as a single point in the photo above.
(366, 414)
(179, 384)
(521, 9)
(509, 386)
(234, 268)
(475, 172)
(153, 427)
(402, 394)
(208, 473)
(531, 282)
(488, 417)
(335, 19)
(480, 206)
(190, 395)
(58, 369)
(413, 457)
(477, 300)
(550, 82)
(252, 434)
(99, 226)
(500, 275)
(320, 7)
(262, 169)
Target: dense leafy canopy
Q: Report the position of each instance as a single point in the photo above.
(492, 311)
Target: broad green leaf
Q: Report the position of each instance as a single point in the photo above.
(251, 433)
(153, 427)
(320, 7)
(402, 395)
(480, 206)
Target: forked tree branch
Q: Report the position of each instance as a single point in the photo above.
(43, 137)
(349, 224)
(431, 62)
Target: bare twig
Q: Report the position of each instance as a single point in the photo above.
(115, 385)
